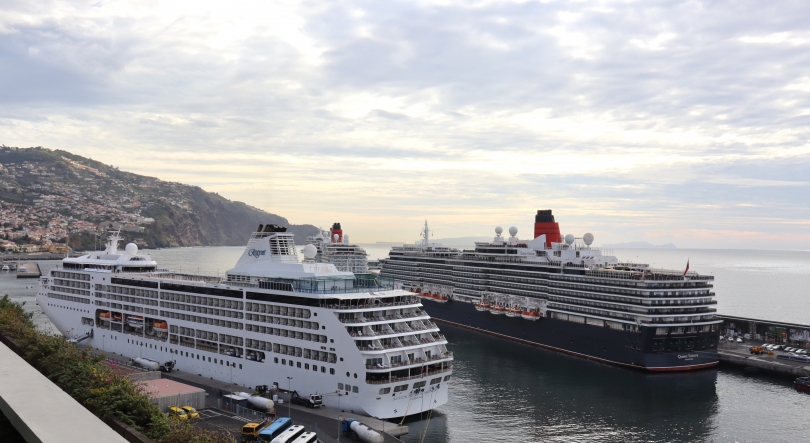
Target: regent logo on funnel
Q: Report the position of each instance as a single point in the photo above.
(256, 252)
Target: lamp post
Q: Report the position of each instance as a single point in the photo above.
(289, 403)
(339, 421)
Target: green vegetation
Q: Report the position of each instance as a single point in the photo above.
(92, 383)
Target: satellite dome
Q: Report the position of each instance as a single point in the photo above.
(131, 249)
(498, 230)
(337, 238)
(569, 239)
(310, 251)
(588, 238)
(513, 231)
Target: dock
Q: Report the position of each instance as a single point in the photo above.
(28, 270)
(760, 332)
(325, 420)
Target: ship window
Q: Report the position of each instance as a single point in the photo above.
(348, 374)
(215, 361)
(401, 388)
(384, 391)
(275, 359)
(331, 370)
(435, 381)
(315, 368)
(446, 377)
(283, 361)
(209, 359)
(240, 365)
(419, 384)
(340, 386)
(298, 364)
(306, 366)
(354, 389)
(291, 362)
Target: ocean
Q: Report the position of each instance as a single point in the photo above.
(506, 391)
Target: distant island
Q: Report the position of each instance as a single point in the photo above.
(638, 245)
(50, 199)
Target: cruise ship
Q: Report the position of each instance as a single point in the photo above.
(562, 294)
(333, 247)
(273, 319)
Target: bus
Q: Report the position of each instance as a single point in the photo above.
(277, 427)
(307, 437)
(289, 435)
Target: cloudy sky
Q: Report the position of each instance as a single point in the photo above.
(660, 121)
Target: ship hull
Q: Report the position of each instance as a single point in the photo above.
(592, 342)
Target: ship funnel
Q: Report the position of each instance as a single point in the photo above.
(336, 233)
(544, 224)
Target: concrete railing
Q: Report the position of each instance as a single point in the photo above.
(25, 395)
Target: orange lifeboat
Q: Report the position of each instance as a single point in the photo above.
(482, 306)
(104, 316)
(116, 316)
(530, 315)
(497, 309)
(160, 326)
(511, 311)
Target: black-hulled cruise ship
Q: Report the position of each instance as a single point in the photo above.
(562, 294)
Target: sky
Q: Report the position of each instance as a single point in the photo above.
(682, 122)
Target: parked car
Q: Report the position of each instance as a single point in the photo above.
(739, 340)
(801, 351)
(731, 339)
(177, 413)
(191, 412)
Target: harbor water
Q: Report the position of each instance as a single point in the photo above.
(506, 391)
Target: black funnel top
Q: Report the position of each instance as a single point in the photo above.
(544, 216)
(336, 226)
(275, 228)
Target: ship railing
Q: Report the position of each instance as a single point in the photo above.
(412, 377)
(430, 325)
(353, 320)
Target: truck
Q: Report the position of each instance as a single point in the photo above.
(313, 401)
(359, 431)
(152, 365)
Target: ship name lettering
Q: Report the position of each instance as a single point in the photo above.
(256, 252)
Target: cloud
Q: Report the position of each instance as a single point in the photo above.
(631, 119)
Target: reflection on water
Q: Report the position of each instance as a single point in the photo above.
(506, 391)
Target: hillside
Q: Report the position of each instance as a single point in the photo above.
(48, 196)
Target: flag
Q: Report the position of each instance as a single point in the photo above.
(687, 268)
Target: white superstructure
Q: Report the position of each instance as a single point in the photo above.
(355, 339)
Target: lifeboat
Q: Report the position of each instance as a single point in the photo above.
(497, 309)
(511, 312)
(482, 306)
(160, 326)
(116, 316)
(104, 316)
(135, 321)
(530, 315)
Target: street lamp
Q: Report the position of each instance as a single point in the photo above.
(289, 404)
(338, 434)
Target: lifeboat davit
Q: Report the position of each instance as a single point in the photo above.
(160, 326)
(530, 315)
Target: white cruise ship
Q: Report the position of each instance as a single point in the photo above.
(334, 247)
(270, 319)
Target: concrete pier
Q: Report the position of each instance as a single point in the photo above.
(28, 270)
